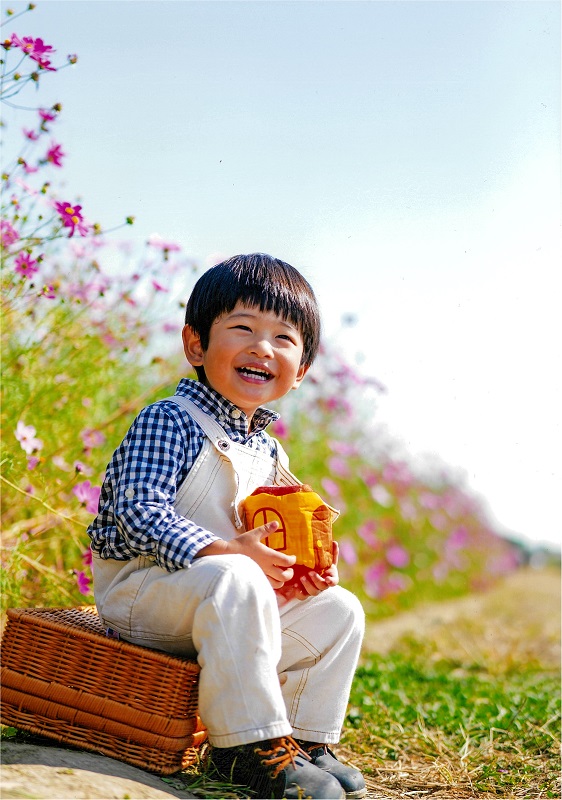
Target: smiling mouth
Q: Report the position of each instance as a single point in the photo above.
(255, 374)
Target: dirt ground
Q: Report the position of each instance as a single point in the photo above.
(44, 772)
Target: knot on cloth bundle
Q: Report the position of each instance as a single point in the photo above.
(305, 523)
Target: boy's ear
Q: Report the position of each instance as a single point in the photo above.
(303, 369)
(192, 346)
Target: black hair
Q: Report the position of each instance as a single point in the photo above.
(258, 280)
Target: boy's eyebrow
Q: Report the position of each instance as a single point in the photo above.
(253, 315)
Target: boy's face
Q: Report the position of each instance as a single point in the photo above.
(253, 357)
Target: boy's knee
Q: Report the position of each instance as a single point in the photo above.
(348, 608)
(243, 576)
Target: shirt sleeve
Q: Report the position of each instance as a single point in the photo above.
(152, 457)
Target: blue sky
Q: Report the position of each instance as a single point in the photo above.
(404, 155)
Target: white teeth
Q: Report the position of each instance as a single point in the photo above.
(255, 373)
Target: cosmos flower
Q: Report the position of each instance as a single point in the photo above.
(88, 495)
(55, 155)
(8, 234)
(36, 49)
(83, 581)
(25, 434)
(25, 265)
(72, 218)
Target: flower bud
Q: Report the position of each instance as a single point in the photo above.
(130, 220)
(72, 59)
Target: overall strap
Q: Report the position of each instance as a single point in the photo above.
(208, 424)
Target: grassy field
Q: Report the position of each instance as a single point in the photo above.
(463, 700)
(457, 700)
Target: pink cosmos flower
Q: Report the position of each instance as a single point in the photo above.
(25, 434)
(338, 466)
(87, 557)
(47, 115)
(8, 234)
(34, 48)
(88, 495)
(167, 247)
(397, 556)
(31, 135)
(348, 552)
(55, 155)
(82, 468)
(49, 292)
(92, 438)
(25, 265)
(32, 462)
(72, 218)
(279, 428)
(158, 286)
(29, 170)
(330, 487)
(82, 581)
(367, 533)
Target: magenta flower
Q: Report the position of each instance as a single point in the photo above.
(339, 466)
(348, 552)
(92, 438)
(47, 115)
(367, 533)
(55, 155)
(31, 135)
(397, 556)
(32, 462)
(82, 468)
(25, 265)
(88, 495)
(330, 487)
(72, 218)
(87, 557)
(27, 168)
(167, 247)
(49, 292)
(8, 234)
(36, 49)
(25, 434)
(82, 581)
(158, 286)
(279, 428)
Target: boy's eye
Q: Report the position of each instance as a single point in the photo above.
(242, 327)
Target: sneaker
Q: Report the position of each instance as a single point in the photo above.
(322, 757)
(275, 768)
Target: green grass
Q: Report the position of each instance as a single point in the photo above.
(487, 732)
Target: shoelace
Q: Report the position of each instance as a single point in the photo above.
(282, 753)
(311, 747)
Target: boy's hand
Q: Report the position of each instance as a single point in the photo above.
(277, 566)
(312, 583)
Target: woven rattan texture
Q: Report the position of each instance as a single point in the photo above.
(63, 678)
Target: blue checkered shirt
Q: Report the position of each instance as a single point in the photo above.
(154, 458)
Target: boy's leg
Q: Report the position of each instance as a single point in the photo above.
(321, 641)
(224, 610)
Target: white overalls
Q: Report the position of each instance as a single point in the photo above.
(223, 611)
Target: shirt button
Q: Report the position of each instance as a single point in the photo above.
(221, 418)
(129, 494)
(235, 413)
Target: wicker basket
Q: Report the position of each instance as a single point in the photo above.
(63, 678)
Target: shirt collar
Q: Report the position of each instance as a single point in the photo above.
(226, 413)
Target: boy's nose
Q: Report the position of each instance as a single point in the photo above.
(261, 348)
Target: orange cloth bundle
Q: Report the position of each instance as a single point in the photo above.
(305, 524)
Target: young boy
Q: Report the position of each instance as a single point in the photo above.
(175, 570)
